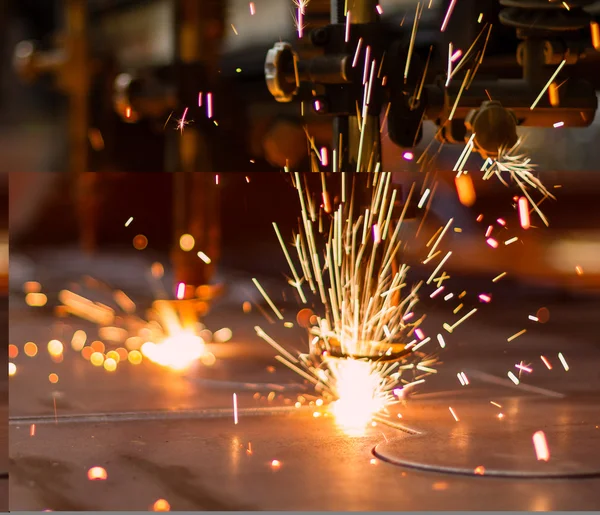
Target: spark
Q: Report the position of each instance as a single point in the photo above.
(204, 258)
(559, 124)
(97, 473)
(441, 341)
(180, 291)
(492, 243)
(516, 335)
(235, 409)
(524, 368)
(454, 414)
(524, 213)
(252, 9)
(496, 404)
(498, 277)
(209, 105)
(128, 222)
(546, 362)
(511, 241)
(540, 444)
(182, 122)
(595, 30)
(267, 298)
(550, 81)
(563, 361)
(448, 14)
(513, 378)
(485, 298)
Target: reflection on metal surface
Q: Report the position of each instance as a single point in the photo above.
(133, 416)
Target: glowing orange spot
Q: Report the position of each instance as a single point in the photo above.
(32, 287)
(140, 242)
(247, 307)
(78, 340)
(36, 300)
(579, 270)
(122, 353)
(87, 352)
(157, 270)
(161, 505)
(97, 359)
(135, 357)
(13, 351)
(275, 464)
(440, 485)
(303, 317)
(595, 29)
(30, 349)
(55, 348)
(110, 365)
(553, 95)
(187, 242)
(53, 378)
(32, 430)
(465, 189)
(480, 471)
(114, 355)
(98, 346)
(97, 473)
(524, 213)
(541, 446)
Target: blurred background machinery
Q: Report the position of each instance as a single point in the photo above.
(123, 86)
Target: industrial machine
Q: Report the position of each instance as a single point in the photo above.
(365, 65)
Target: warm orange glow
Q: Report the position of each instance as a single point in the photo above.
(359, 398)
(98, 346)
(110, 365)
(78, 340)
(32, 287)
(97, 359)
(553, 95)
(53, 378)
(13, 351)
(30, 349)
(97, 473)
(541, 446)
(122, 353)
(55, 348)
(157, 270)
(87, 352)
(275, 464)
(524, 213)
(465, 189)
(187, 242)
(140, 242)
(36, 300)
(114, 355)
(177, 352)
(161, 505)
(595, 28)
(135, 357)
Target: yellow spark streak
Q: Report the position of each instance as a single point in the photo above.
(128, 222)
(274, 344)
(454, 414)
(458, 97)
(433, 249)
(439, 267)
(441, 341)
(496, 404)
(515, 336)
(297, 282)
(267, 298)
(413, 37)
(451, 328)
(560, 67)
(498, 277)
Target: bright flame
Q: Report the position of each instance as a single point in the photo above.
(360, 393)
(178, 351)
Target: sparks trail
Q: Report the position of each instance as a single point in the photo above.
(170, 335)
(366, 337)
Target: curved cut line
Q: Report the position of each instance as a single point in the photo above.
(151, 415)
(504, 474)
